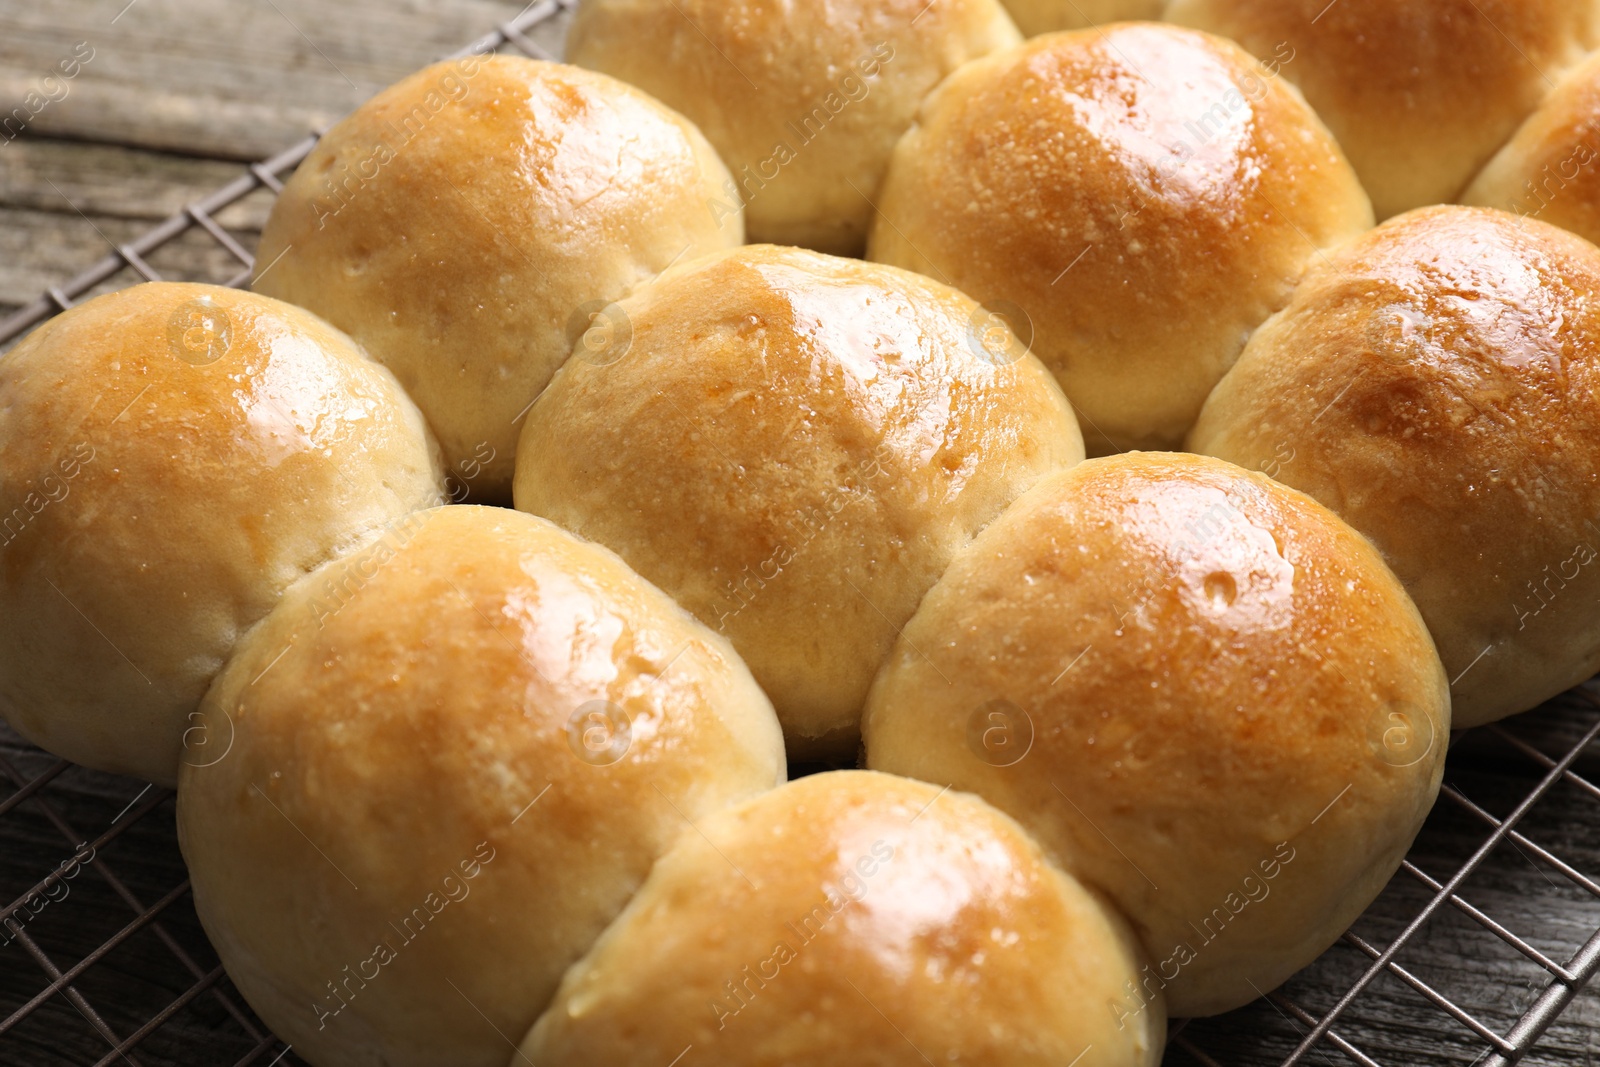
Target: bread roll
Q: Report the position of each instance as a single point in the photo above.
(855, 918)
(1139, 198)
(467, 225)
(1548, 170)
(1419, 92)
(794, 446)
(1437, 383)
(439, 769)
(1045, 16)
(804, 98)
(1205, 694)
(171, 458)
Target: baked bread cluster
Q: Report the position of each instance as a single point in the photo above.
(482, 577)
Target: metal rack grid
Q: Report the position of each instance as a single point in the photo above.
(205, 1018)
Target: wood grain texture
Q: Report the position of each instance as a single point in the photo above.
(1453, 953)
(228, 79)
(177, 94)
(176, 89)
(64, 205)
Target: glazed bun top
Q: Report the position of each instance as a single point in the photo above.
(1419, 92)
(464, 224)
(1190, 682)
(794, 445)
(804, 98)
(476, 687)
(1549, 170)
(1437, 383)
(172, 457)
(1140, 196)
(817, 920)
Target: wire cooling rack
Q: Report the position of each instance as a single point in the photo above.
(1429, 975)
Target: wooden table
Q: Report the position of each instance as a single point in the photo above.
(175, 97)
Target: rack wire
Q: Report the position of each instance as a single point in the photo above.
(1374, 999)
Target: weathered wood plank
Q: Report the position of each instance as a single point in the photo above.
(223, 78)
(183, 85)
(64, 177)
(64, 205)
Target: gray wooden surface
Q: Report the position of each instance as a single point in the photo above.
(177, 94)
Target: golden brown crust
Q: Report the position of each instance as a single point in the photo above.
(1147, 195)
(804, 100)
(464, 224)
(1419, 92)
(794, 446)
(1183, 677)
(1435, 383)
(854, 918)
(419, 706)
(1550, 170)
(171, 458)
(1047, 16)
